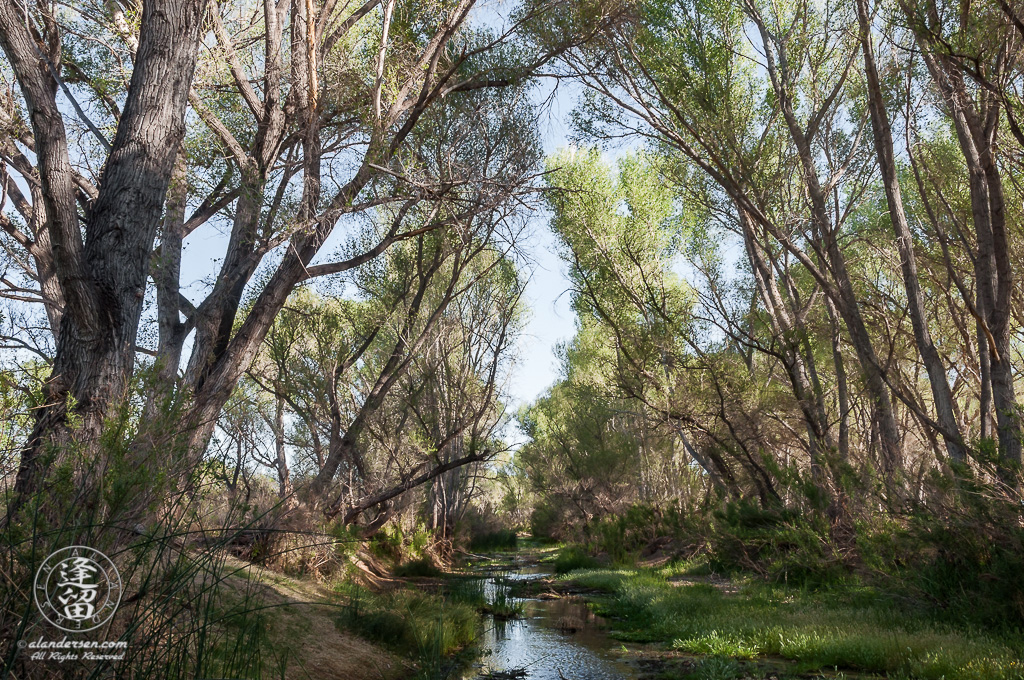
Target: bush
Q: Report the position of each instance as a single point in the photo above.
(777, 544)
(545, 522)
(966, 556)
(494, 541)
(417, 568)
(572, 558)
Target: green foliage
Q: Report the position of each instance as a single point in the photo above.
(423, 626)
(495, 541)
(716, 668)
(779, 544)
(626, 535)
(572, 558)
(545, 521)
(502, 604)
(966, 559)
(387, 544)
(855, 629)
(465, 590)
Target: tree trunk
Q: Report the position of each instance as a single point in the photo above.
(283, 477)
(976, 130)
(941, 393)
(843, 294)
(103, 279)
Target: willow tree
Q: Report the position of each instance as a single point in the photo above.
(780, 115)
(297, 119)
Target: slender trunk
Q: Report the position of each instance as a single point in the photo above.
(842, 388)
(976, 130)
(844, 294)
(166, 273)
(789, 330)
(985, 376)
(941, 394)
(283, 477)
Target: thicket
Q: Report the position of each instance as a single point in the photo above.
(961, 561)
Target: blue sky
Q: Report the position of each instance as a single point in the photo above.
(550, 320)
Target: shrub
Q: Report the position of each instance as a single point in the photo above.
(545, 522)
(966, 556)
(776, 543)
(494, 541)
(572, 558)
(417, 568)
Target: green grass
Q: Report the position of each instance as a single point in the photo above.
(858, 630)
(465, 590)
(425, 627)
(571, 558)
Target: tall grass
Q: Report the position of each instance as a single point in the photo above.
(857, 629)
(502, 605)
(571, 558)
(188, 609)
(426, 627)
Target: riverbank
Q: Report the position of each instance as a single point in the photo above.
(509, 616)
(698, 627)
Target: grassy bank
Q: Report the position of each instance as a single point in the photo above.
(852, 630)
(434, 624)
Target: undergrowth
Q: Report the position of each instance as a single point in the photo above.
(426, 627)
(859, 629)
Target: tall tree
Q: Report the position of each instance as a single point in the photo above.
(884, 150)
(102, 269)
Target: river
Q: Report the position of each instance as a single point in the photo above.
(555, 639)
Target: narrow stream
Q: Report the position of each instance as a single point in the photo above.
(557, 639)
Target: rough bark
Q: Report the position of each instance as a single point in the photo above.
(104, 278)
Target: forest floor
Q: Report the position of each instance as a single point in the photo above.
(302, 636)
(675, 621)
(679, 622)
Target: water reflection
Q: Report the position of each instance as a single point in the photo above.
(555, 640)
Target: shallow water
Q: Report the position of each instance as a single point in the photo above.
(555, 640)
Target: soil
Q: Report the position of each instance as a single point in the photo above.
(305, 637)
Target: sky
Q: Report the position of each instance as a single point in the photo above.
(550, 319)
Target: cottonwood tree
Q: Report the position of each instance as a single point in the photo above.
(302, 117)
(89, 236)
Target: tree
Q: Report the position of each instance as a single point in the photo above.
(97, 279)
(402, 386)
(297, 124)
